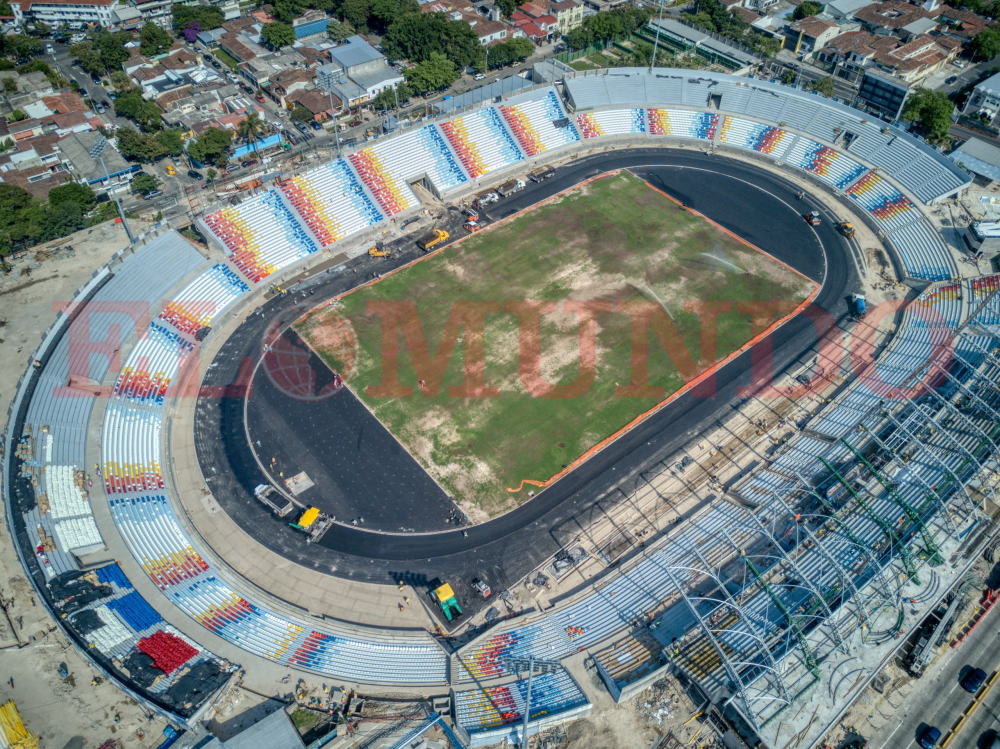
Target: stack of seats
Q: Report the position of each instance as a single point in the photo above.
(74, 524)
(831, 166)
(533, 124)
(168, 651)
(202, 299)
(155, 538)
(419, 152)
(611, 122)
(765, 139)
(923, 251)
(152, 366)
(332, 202)
(682, 123)
(261, 234)
(883, 201)
(481, 142)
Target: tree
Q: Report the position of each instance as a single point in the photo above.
(356, 13)
(73, 192)
(418, 36)
(112, 48)
(120, 81)
(211, 174)
(986, 44)
(128, 104)
(301, 114)
(822, 85)
(212, 147)
(384, 12)
(143, 182)
(338, 31)
(387, 98)
(253, 126)
(154, 40)
(277, 35)
(433, 74)
(287, 11)
(170, 141)
(191, 32)
(207, 17)
(507, 7)
(20, 46)
(806, 9)
(509, 52)
(10, 85)
(150, 116)
(88, 57)
(137, 146)
(931, 112)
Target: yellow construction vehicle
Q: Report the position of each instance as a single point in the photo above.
(436, 237)
(846, 228)
(378, 250)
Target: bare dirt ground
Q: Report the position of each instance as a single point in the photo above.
(66, 713)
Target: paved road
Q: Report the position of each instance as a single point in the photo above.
(939, 699)
(757, 204)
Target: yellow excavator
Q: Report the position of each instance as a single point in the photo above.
(846, 228)
(378, 250)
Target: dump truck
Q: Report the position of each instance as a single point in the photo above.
(444, 597)
(510, 187)
(472, 227)
(542, 172)
(846, 228)
(436, 237)
(378, 250)
(812, 218)
(274, 501)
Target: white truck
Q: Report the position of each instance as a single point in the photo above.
(274, 501)
(510, 187)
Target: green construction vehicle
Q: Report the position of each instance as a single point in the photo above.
(444, 596)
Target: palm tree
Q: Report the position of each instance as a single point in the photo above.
(251, 129)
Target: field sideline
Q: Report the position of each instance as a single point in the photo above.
(617, 252)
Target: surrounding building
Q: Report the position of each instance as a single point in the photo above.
(984, 101)
(567, 13)
(883, 94)
(854, 52)
(811, 33)
(76, 14)
(887, 17)
(115, 174)
(683, 38)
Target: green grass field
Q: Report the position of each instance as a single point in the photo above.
(613, 240)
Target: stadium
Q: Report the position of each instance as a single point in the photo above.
(804, 497)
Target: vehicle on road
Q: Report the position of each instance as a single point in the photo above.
(482, 587)
(49, 49)
(105, 104)
(812, 218)
(434, 238)
(95, 78)
(355, 123)
(973, 680)
(485, 199)
(315, 125)
(207, 58)
(479, 77)
(216, 64)
(542, 172)
(152, 194)
(858, 305)
(99, 108)
(259, 98)
(846, 228)
(510, 187)
(170, 170)
(929, 737)
(950, 80)
(378, 250)
(195, 175)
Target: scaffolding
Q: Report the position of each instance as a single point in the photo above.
(842, 543)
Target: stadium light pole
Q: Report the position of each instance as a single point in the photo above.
(656, 41)
(529, 664)
(95, 153)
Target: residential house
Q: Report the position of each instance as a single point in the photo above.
(854, 52)
(287, 82)
(310, 23)
(962, 25)
(74, 152)
(156, 11)
(888, 17)
(316, 102)
(568, 13)
(811, 33)
(538, 29)
(844, 10)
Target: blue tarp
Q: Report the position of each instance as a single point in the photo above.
(274, 140)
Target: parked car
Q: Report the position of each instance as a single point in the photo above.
(302, 128)
(355, 123)
(152, 194)
(105, 104)
(315, 125)
(49, 49)
(245, 164)
(973, 680)
(207, 58)
(170, 170)
(950, 80)
(99, 107)
(292, 139)
(479, 77)
(216, 64)
(930, 736)
(260, 98)
(194, 175)
(95, 78)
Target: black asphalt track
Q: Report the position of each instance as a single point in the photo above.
(756, 204)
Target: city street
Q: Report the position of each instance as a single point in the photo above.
(938, 698)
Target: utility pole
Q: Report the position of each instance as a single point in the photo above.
(656, 41)
(529, 664)
(95, 153)
(336, 120)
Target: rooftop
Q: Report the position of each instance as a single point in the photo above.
(75, 148)
(376, 78)
(354, 51)
(891, 15)
(978, 156)
(813, 25)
